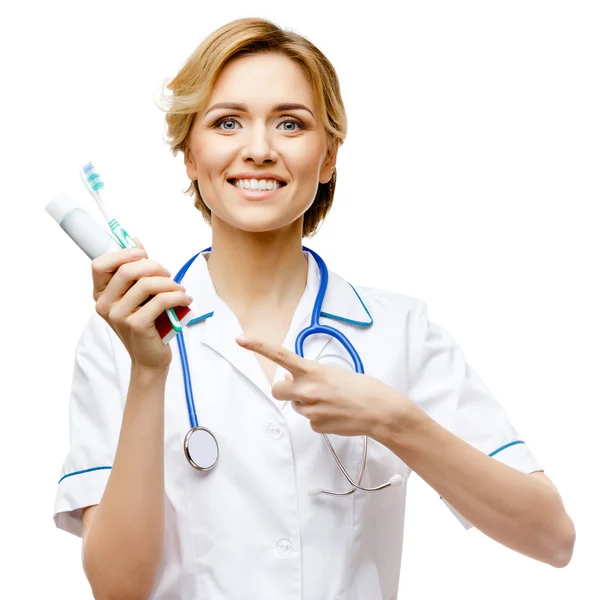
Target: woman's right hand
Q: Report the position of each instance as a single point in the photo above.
(123, 284)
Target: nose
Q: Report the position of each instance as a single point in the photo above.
(258, 147)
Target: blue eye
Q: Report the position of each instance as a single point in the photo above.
(226, 120)
(295, 122)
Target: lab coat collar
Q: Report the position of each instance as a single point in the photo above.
(220, 327)
(342, 302)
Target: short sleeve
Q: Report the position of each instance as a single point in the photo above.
(447, 389)
(95, 415)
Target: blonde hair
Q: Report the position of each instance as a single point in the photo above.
(192, 86)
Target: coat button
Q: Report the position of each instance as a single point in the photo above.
(284, 546)
(274, 431)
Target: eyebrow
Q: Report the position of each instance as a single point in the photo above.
(244, 108)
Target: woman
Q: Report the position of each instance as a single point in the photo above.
(258, 107)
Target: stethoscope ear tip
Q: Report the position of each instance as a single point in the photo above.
(396, 480)
(313, 491)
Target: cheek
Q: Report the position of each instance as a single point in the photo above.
(303, 161)
(212, 159)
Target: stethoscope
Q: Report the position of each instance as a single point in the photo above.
(200, 445)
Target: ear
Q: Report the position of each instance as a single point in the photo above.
(190, 166)
(328, 165)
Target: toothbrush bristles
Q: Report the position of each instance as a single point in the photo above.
(93, 178)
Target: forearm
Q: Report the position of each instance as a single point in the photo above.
(511, 507)
(124, 545)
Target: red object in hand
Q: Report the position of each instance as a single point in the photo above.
(163, 325)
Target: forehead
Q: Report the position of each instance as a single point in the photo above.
(261, 80)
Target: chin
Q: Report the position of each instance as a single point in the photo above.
(256, 223)
(260, 227)
(260, 221)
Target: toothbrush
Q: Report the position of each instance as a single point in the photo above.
(93, 184)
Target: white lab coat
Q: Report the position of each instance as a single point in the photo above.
(248, 529)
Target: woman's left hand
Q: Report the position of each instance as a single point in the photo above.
(332, 399)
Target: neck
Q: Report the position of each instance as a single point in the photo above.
(256, 273)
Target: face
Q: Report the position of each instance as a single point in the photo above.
(259, 139)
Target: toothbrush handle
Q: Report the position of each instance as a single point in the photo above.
(126, 241)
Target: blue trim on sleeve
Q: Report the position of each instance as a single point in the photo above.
(84, 471)
(506, 446)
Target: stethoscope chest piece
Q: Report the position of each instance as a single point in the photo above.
(201, 448)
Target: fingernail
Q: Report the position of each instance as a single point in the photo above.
(137, 252)
(242, 339)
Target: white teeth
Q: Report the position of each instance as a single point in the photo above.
(258, 184)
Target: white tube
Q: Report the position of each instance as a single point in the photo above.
(83, 229)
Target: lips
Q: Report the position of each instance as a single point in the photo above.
(257, 175)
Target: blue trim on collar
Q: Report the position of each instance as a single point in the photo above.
(344, 320)
(202, 318)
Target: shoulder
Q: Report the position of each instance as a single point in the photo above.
(387, 316)
(386, 298)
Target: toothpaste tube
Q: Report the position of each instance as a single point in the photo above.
(95, 241)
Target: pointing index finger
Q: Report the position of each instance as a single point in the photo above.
(278, 354)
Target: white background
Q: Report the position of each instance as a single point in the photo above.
(469, 179)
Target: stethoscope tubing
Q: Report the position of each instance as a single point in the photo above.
(187, 382)
(314, 328)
